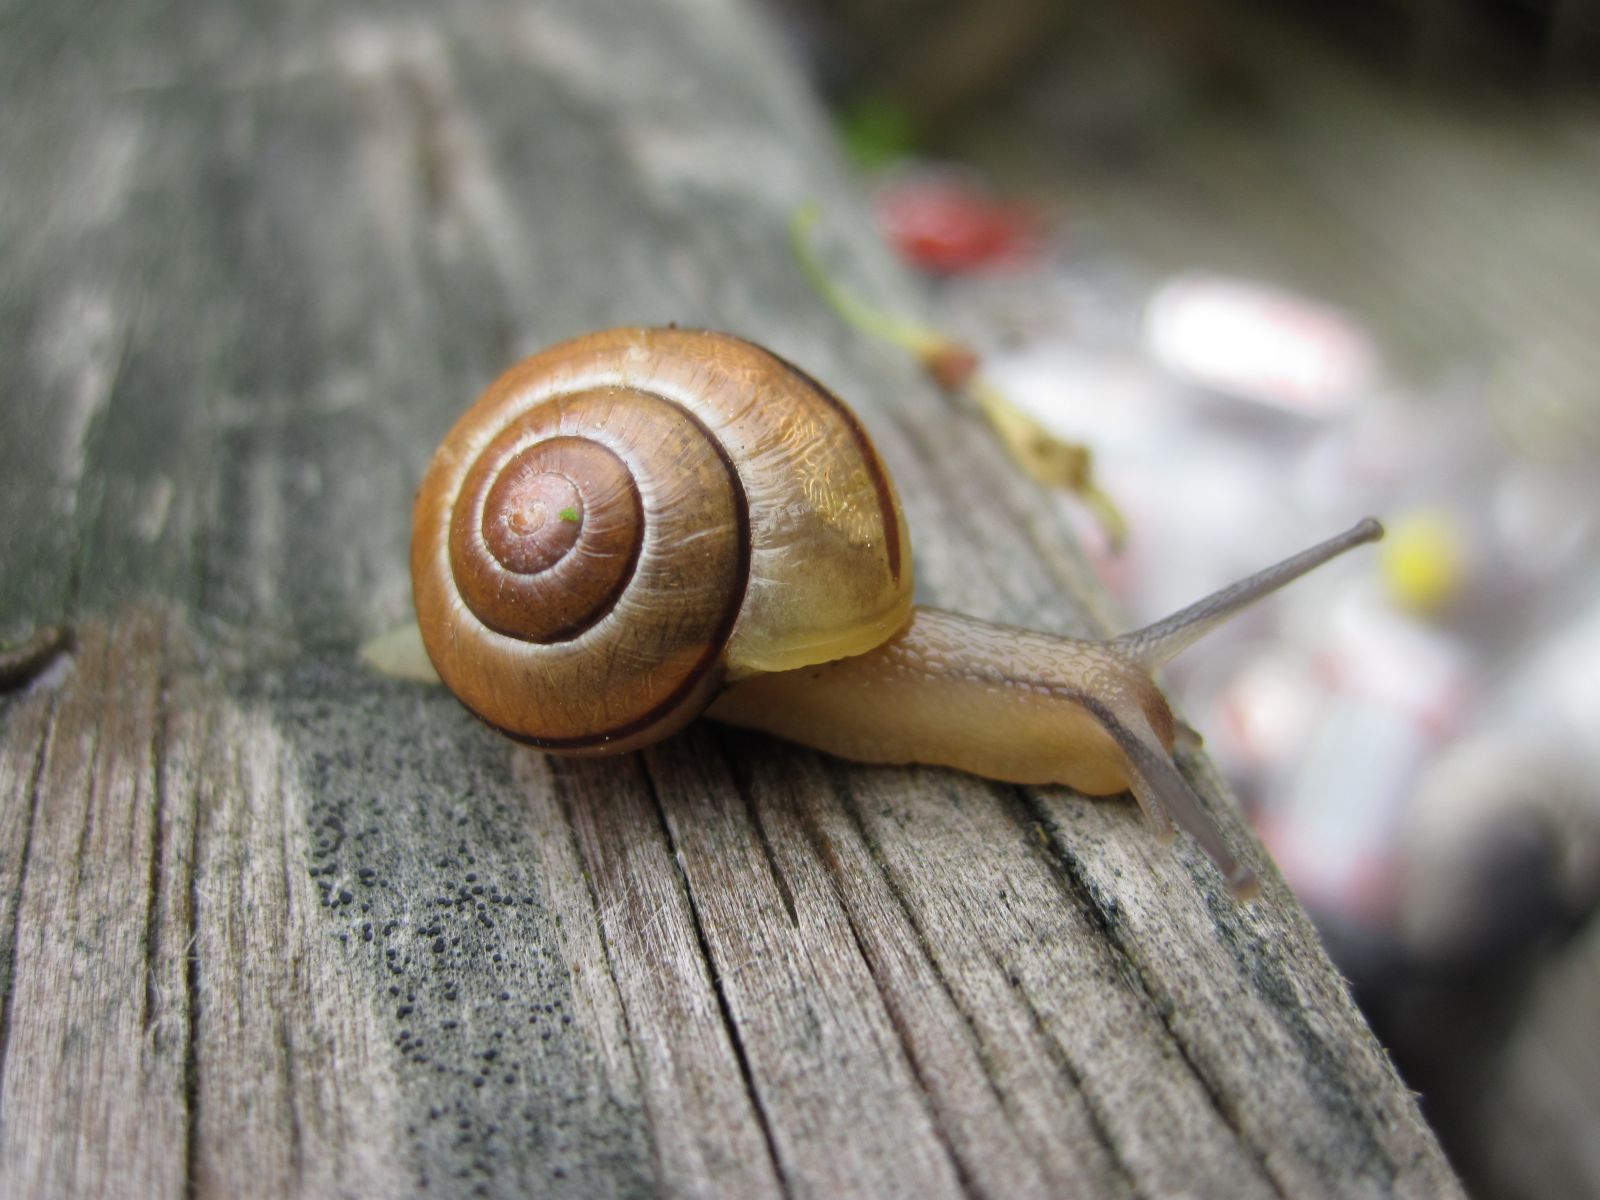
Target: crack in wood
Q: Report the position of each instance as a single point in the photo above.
(1063, 1061)
(284, 1040)
(36, 775)
(91, 758)
(847, 803)
(823, 848)
(764, 841)
(736, 1041)
(1067, 869)
(902, 1031)
(849, 806)
(157, 847)
(607, 947)
(1266, 974)
(192, 1002)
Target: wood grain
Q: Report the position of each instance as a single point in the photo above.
(274, 926)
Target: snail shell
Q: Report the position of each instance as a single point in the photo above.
(627, 521)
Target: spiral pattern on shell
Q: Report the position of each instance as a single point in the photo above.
(614, 512)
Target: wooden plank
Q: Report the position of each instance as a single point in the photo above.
(839, 1098)
(95, 1014)
(686, 1053)
(1015, 1121)
(275, 926)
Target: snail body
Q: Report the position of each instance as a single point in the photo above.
(640, 525)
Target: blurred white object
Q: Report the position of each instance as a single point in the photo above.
(1258, 343)
(1341, 744)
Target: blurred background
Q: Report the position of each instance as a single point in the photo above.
(1275, 266)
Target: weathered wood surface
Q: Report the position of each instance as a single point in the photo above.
(274, 926)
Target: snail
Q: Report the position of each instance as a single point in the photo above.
(640, 525)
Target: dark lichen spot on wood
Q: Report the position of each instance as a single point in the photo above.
(470, 952)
